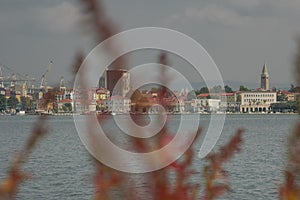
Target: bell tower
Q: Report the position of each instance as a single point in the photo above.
(264, 78)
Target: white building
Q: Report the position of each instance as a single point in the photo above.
(259, 101)
(179, 106)
(118, 104)
(211, 105)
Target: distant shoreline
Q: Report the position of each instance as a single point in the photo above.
(77, 114)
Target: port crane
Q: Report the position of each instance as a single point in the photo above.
(62, 83)
(45, 76)
(14, 77)
(1, 78)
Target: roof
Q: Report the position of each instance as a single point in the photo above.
(286, 92)
(227, 94)
(216, 94)
(259, 91)
(203, 95)
(265, 71)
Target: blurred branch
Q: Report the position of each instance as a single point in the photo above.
(217, 180)
(297, 60)
(290, 189)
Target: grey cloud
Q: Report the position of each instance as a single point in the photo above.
(59, 18)
(215, 14)
(246, 3)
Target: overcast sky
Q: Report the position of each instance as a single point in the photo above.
(240, 35)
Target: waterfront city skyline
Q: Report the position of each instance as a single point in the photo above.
(133, 99)
(240, 36)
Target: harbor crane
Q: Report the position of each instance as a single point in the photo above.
(45, 76)
(1, 78)
(62, 84)
(14, 78)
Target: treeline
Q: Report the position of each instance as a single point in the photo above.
(285, 106)
(228, 89)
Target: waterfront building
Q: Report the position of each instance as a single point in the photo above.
(228, 100)
(179, 106)
(63, 107)
(59, 95)
(286, 96)
(118, 104)
(117, 81)
(64, 94)
(102, 94)
(257, 101)
(297, 96)
(2, 91)
(81, 106)
(210, 105)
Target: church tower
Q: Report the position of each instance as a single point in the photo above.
(264, 78)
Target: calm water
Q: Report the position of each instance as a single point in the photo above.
(62, 168)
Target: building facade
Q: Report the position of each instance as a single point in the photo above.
(118, 104)
(117, 81)
(257, 101)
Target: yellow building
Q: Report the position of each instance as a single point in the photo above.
(102, 94)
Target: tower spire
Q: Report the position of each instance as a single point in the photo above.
(265, 71)
(264, 78)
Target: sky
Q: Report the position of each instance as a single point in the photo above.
(240, 35)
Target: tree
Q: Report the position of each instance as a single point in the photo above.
(203, 90)
(26, 103)
(55, 109)
(292, 89)
(285, 106)
(64, 108)
(282, 97)
(228, 89)
(243, 88)
(68, 106)
(12, 102)
(2, 102)
(217, 89)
